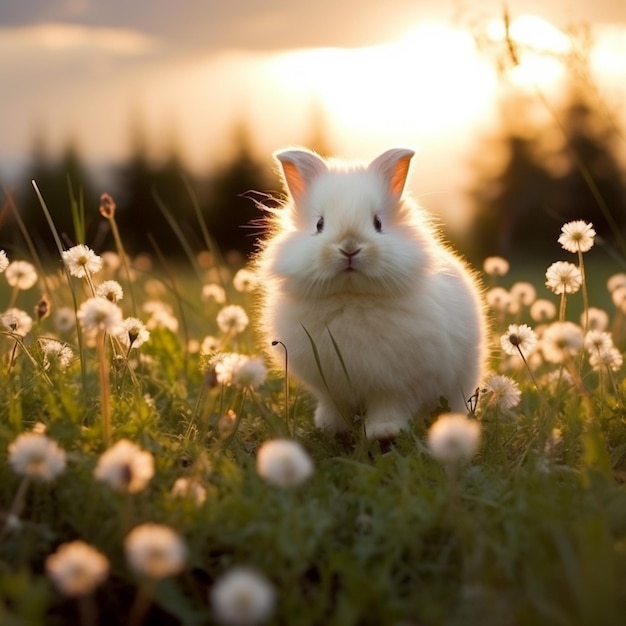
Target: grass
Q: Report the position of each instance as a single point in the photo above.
(531, 531)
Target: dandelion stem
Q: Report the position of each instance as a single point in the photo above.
(103, 374)
(17, 505)
(87, 610)
(141, 604)
(581, 267)
(286, 384)
(562, 307)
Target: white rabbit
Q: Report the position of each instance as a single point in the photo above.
(379, 318)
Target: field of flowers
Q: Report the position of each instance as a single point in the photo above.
(154, 472)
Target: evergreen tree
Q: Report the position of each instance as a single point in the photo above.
(67, 190)
(592, 186)
(231, 210)
(520, 207)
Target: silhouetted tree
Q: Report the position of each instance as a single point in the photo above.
(144, 190)
(66, 188)
(521, 205)
(231, 211)
(592, 185)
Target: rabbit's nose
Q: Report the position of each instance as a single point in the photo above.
(350, 252)
(349, 248)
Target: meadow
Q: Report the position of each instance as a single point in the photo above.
(154, 471)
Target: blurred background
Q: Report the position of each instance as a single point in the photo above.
(517, 113)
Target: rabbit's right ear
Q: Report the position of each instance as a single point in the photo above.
(300, 168)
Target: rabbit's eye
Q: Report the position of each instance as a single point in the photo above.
(320, 225)
(378, 225)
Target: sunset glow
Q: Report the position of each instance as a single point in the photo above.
(430, 81)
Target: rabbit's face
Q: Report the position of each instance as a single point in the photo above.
(347, 235)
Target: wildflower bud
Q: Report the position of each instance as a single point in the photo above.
(42, 308)
(107, 206)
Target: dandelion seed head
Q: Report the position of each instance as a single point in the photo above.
(598, 340)
(64, 319)
(597, 319)
(21, 275)
(125, 467)
(242, 597)
(577, 236)
(245, 281)
(499, 299)
(607, 357)
(283, 463)
(160, 316)
(543, 310)
(36, 456)
(563, 277)
(615, 281)
(454, 438)
(518, 338)
(99, 314)
(55, 352)
(4, 261)
(77, 568)
(209, 345)
(187, 488)
(81, 261)
(522, 294)
(561, 341)
(134, 333)
(155, 551)
(232, 319)
(17, 321)
(111, 290)
(618, 296)
(495, 266)
(111, 262)
(240, 370)
(213, 292)
(502, 392)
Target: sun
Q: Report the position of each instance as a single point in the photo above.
(430, 81)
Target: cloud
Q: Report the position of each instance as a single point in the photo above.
(59, 38)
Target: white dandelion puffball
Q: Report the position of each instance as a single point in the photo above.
(563, 277)
(502, 391)
(232, 319)
(242, 597)
(518, 338)
(577, 236)
(283, 462)
(4, 261)
(125, 467)
(77, 568)
(17, 321)
(155, 551)
(495, 266)
(134, 333)
(99, 314)
(21, 275)
(36, 456)
(454, 438)
(111, 290)
(81, 261)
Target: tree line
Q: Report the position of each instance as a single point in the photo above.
(529, 178)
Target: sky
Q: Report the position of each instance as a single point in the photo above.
(402, 72)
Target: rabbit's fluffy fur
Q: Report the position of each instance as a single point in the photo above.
(357, 269)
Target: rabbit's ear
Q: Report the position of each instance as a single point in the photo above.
(393, 165)
(300, 168)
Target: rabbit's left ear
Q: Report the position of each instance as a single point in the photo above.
(300, 168)
(393, 165)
